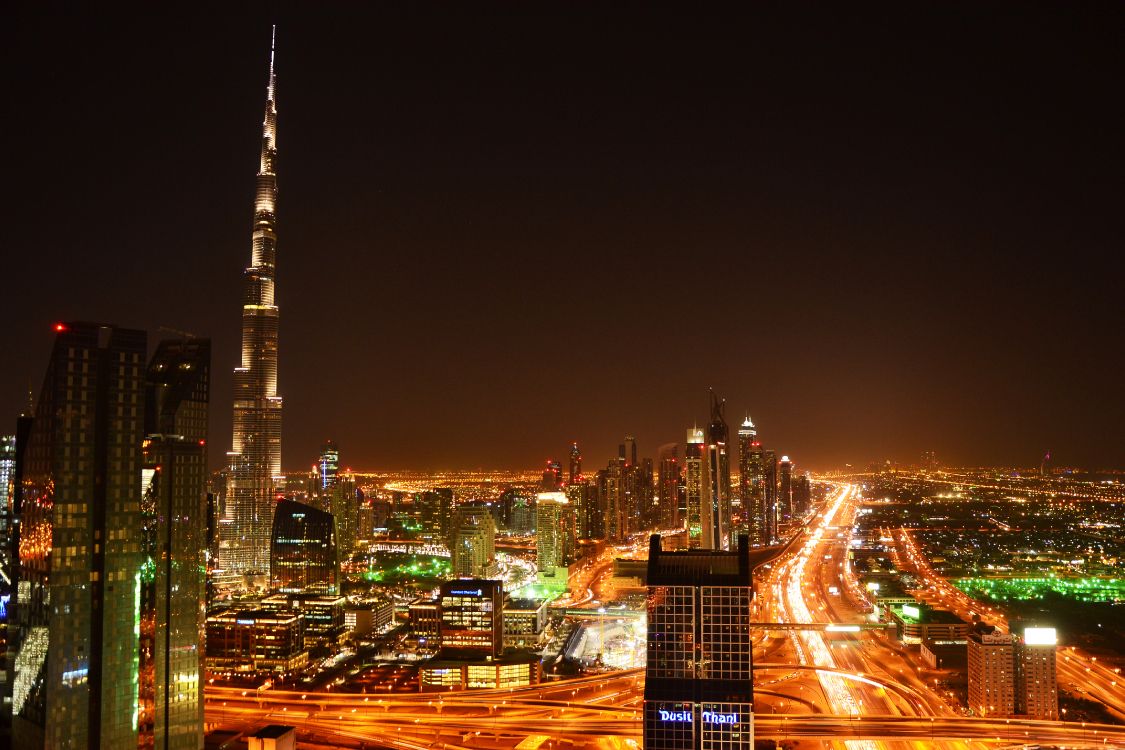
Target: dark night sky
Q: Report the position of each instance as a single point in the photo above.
(878, 228)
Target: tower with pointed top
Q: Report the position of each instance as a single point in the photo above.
(255, 456)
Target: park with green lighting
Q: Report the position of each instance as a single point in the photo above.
(1090, 589)
(394, 568)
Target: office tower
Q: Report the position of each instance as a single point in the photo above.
(718, 436)
(77, 575)
(802, 495)
(991, 673)
(177, 392)
(757, 506)
(611, 499)
(1045, 464)
(303, 556)
(929, 460)
(255, 456)
(7, 476)
(699, 686)
(716, 507)
(434, 510)
(472, 543)
(328, 465)
(552, 477)
(587, 520)
(785, 489)
(668, 486)
(630, 451)
(646, 485)
(472, 618)
(697, 483)
(554, 533)
(1037, 678)
(769, 488)
(343, 504)
(575, 464)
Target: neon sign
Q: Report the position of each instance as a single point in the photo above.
(709, 717)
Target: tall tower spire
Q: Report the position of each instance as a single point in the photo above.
(255, 456)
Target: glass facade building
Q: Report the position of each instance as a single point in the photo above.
(303, 550)
(699, 672)
(77, 545)
(177, 390)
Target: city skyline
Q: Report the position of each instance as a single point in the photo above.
(449, 212)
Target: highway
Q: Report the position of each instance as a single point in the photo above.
(857, 688)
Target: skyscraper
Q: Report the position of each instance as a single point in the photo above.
(328, 465)
(77, 572)
(177, 392)
(699, 686)
(554, 534)
(757, 500)
(697, 485)
(785, 489)
(303, 550)
(668, 487)
(718, 439)
(747, 436)
(255, 456)
(575, 464)
(472, 543)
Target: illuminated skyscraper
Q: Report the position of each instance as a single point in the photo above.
(77, 576)
(177, 392)
(697, 484)
(718, 440)
(554, 532)
(668, 487)
(699, 685)
(757, 505)
(575, 464)
(328, 465)
(255, 456)
(472, 543)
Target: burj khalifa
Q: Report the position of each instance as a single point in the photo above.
(255, 456)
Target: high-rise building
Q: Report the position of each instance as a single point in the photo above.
(552, 477)
(1037, 679)
(177, 392)
(785, 489)
(697, 483)
(255, 456)
(716, 507)
(991, 674)
(699, 686)
(588, 519)
(343, 504)
(78, 543)
(668, 487)
(1014, 674)
(328, 465)
(575, 464)
(472, 543)
(303, 550)
(435, 513)
(629, 450)
(554, 533)
(758, 508)
(718, 440)
(769, 487)
(7, 491)
(802, 495)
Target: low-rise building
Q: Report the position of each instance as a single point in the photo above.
(915, 623)
(524, 621)
(944, 654)
(255, 641)
(511, 670)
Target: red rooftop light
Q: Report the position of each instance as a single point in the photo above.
(60, 327)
